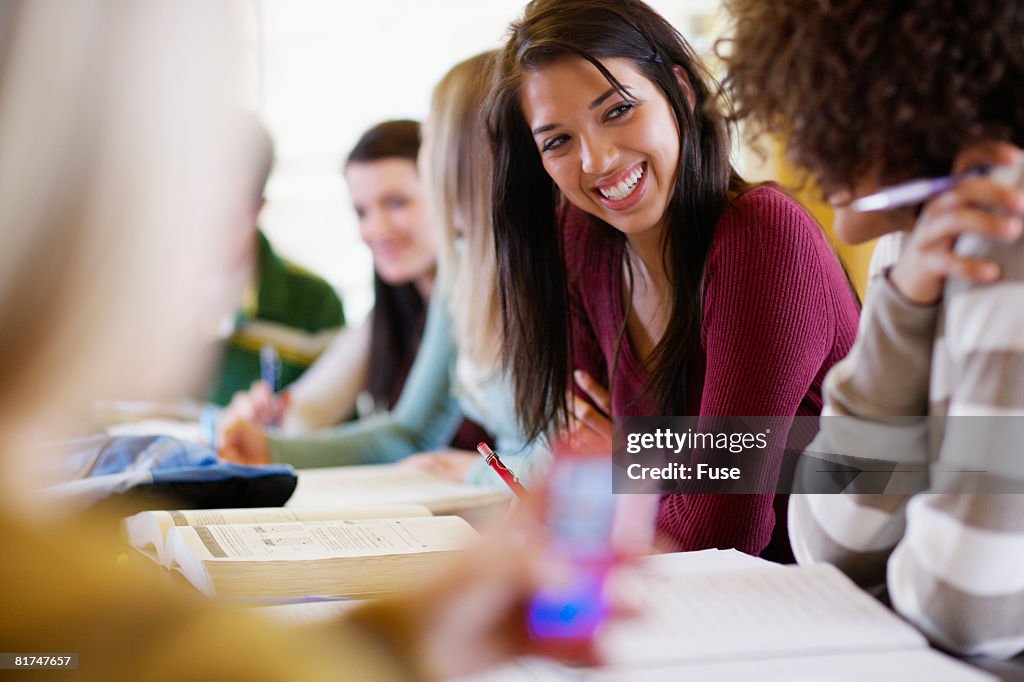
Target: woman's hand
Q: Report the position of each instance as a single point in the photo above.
(242, 441)
(453, 465)
(241, 434)
(591, 421)
(977, 206)
(258, 404)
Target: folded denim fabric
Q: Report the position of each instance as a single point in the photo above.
(148, 472)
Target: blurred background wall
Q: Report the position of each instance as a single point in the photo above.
(320, 72)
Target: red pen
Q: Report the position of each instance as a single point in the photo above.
(492, 459)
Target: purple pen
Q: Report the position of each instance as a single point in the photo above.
(912, 192)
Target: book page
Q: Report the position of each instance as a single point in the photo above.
(916, 664)
(704, 561)
(388, 484)
(150, 528)
(751, 613)
(217, 517)
(322, 539)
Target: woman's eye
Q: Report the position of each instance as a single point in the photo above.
(396, 203)
(555, 143)
(619, 110)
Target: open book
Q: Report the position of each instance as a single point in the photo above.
(761, 612)
(723, 616)
(353, 552)
(379, 484)
(744, 622)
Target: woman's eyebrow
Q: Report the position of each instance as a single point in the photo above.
(593, 105)
(597, 102)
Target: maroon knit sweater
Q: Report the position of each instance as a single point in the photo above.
(777, 314)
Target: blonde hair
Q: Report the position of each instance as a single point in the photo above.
(458, 176)
(114, 121)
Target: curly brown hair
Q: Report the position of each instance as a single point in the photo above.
(894, 89)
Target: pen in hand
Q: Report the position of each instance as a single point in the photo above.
(912, 192)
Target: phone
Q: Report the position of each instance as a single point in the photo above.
(975, 245)
(580, 513)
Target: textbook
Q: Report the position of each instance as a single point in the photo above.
(147, 531)
(377, 484)
(755, 613)
(773, 622)
(714, 616)
(347, 552)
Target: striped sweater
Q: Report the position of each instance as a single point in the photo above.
(953, 562)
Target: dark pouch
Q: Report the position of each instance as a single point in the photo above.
(135, 473)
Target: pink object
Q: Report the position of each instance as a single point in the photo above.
(492, 459)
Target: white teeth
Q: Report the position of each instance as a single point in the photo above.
(624, 188)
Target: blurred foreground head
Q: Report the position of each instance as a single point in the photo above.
(115, 120)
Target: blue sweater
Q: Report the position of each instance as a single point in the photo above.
(432, 405)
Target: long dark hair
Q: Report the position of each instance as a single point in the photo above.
(399, 311)
(529, 217)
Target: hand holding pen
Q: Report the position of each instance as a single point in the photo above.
(912, 192)
(241, 433)
(976, 205)
(261, 403)
(241, 430)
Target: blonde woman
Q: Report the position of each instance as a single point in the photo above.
(117, 168)
(457, 372)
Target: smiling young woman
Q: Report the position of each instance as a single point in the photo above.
(635, 259)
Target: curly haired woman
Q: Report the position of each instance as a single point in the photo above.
(867, 94)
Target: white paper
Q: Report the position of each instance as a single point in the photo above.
(751, 613)
(317, 539)
(388, 484)
(704, 561)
